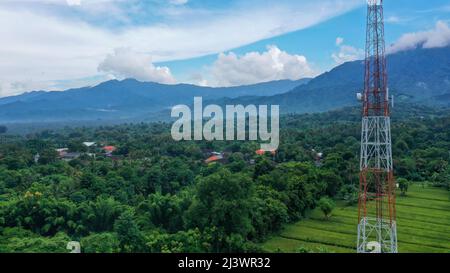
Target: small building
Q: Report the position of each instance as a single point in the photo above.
(62, 151)
(70, 156)
(215, 157)
(89, 144)
(260, 152)
(263, 152)
(109, 149)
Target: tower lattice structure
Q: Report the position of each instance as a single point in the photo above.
(377, 230)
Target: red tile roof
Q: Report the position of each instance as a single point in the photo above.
(262, 152)
(109, 148)
(213, 158)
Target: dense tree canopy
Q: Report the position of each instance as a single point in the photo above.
(157, 195)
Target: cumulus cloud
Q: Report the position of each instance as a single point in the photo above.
(49, 45)
(198, 79)
(254, 67)
(437, 37)
(124, 63)
(346, 53)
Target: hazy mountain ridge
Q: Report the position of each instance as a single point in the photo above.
(121, 100)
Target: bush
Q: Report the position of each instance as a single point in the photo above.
(327, 206)
(17, 240)
(403, 185)
(100, 243)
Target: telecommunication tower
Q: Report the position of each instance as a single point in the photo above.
(377, 230)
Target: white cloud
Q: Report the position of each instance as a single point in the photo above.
(47, 46)
(274, 64)
(125, 63)
(73, 2)
(198, 79)
(437, 37)
(346, 53)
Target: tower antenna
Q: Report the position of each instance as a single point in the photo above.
(377, 230)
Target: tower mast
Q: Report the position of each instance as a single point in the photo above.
(377, 231)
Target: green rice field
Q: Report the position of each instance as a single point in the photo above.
(423, 226)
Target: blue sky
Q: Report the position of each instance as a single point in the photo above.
(318, 42)
(59, 44)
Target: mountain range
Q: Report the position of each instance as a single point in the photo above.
(121, 100)
(416, 76)
(420, 76)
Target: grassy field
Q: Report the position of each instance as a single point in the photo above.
(423, 226)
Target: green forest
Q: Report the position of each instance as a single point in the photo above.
(152, 194)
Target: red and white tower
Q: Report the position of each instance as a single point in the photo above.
(377, 231)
